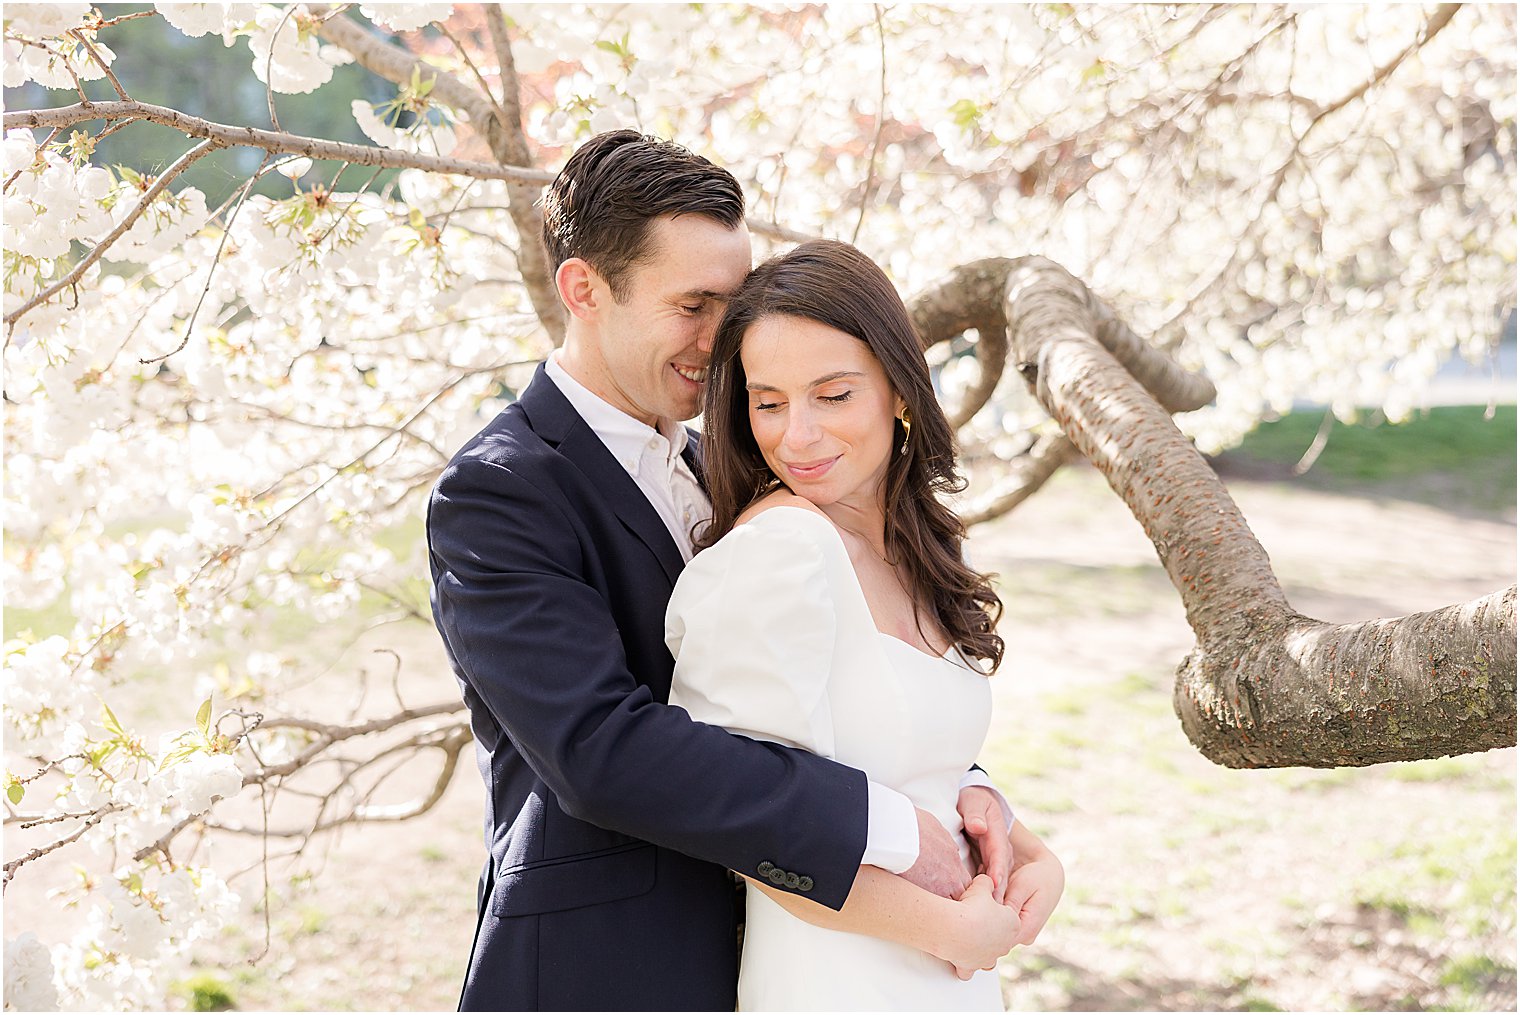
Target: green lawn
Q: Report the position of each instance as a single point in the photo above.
(1449, 454)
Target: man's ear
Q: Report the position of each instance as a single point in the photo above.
(581, 289)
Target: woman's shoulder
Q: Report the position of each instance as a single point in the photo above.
(767, 506)
(782, 534)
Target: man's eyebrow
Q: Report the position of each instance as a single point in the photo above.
(836, 375)
(703, 294)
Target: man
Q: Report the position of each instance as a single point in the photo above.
(556, 536)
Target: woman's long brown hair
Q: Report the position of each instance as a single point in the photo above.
(838, 286)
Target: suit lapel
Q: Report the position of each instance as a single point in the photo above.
(555, 420)
(693, 456)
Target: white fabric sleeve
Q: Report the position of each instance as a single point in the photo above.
(891, 830)
(752, 626)
(976, 777)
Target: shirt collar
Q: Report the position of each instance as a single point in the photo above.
(627, 438)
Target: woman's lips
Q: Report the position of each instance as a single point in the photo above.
(810, 470)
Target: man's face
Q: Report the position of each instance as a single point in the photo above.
(653, 347)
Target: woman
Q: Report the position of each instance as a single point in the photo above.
(831, 610)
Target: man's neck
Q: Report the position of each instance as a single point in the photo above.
(592, 375)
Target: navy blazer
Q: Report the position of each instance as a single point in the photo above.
(611, 817)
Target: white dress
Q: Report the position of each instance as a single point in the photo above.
(773, 640)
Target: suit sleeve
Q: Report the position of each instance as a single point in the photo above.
(541, 647)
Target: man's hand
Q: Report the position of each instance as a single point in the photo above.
(938, 868)
(982, 818)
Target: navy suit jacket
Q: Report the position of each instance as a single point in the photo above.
(611, 817)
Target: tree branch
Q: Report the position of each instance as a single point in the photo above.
(1428, 31)
(1033, 470)
(95, 55)
(149, 196)
(216, 259)
(1264, 686)
(278, 142)
(510, 144)
(881, 120)
(96, 818)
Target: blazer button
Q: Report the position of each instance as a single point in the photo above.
(765, 868)
(805, 884)
(792, 880)
(777, 876)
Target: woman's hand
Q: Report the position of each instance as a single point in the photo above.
(1036, 884)
(1033, 892)
(980, 930)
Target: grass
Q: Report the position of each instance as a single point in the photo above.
(1447, 453)
(206, 992)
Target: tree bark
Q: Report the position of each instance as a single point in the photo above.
(1264, 686)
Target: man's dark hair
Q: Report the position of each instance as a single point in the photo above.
(600, 205)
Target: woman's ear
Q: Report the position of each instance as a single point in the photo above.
(581, 289)
(901, 408)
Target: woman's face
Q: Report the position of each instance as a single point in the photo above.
(821, 409)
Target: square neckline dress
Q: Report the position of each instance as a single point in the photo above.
(774, 640)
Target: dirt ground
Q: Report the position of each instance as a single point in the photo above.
(1190, 887)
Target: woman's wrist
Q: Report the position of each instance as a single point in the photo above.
(942, 927)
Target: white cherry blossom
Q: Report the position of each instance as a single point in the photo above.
(405, 17)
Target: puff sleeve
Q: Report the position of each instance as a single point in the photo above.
(752, 625)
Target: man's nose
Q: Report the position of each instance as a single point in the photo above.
(705, 337)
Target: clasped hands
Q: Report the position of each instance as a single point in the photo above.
(1016, 884)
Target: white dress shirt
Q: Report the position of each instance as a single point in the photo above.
(652, 458)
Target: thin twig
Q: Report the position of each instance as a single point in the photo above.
(274, 119)
(95, 55)
(348, 206)
(501, 114)
(881, 120)
(179, 166)
(463, 191)
(216, 259)
(1317, 446)
(395, 674)
(41, 851)
(117, 628)
(126, 17)
(67, 65)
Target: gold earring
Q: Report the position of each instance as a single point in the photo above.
(907, 422)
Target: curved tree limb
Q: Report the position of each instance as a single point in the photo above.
(278, 142)
(969, 298)
(972, 297)
(1264, 686)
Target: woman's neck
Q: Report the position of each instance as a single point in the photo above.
(867, 520)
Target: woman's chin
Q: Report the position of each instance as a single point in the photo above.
(810, 493)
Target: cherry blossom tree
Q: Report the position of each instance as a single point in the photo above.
(219, 419)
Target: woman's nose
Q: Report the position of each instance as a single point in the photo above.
(801, 429)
